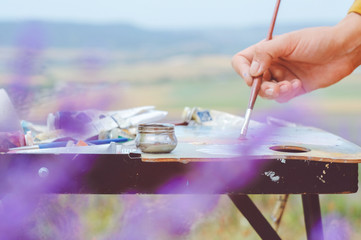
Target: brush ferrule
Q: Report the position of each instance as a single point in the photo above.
(247, 118)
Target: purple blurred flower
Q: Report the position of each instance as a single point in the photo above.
(31, 44)
(336, 227)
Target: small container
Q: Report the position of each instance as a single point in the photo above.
(156, 138)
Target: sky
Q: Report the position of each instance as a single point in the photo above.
(171, 14)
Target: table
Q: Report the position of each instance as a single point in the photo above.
(232, 168)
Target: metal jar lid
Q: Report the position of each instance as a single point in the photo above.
(155, 128)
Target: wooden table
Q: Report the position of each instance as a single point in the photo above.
(206, 161)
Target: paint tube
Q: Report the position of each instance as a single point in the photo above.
(128, 126)
(61, 119)
(206, 117)
(11, 132)
(33, 128)
(98, 123)
(9, 120)
(29, 140)
(145, 117)
(66, 123)
(11, 140)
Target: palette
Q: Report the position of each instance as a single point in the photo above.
(206, 143)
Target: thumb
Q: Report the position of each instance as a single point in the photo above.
(267, 51)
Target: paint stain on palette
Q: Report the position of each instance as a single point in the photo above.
(229, 150)
(219, 141)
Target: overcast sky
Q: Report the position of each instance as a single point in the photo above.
(176, 14)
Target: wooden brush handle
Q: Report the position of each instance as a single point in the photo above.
(256, 86)
(273, 21)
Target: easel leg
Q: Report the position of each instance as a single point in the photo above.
(312, 215)
(254, 216)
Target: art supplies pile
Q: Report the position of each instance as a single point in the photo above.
(71, 131)
(66, 130)
(90, 127)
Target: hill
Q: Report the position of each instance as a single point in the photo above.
(129, 38)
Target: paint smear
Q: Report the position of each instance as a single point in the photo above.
(272, 176)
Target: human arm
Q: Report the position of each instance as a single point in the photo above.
(302, 61)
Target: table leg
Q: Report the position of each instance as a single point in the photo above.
(254, 216)
(312, 215)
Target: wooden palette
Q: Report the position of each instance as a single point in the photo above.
(205, 143)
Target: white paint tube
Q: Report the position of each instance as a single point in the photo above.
(145, 117)
(97, 122)
(213, 118)
(9, 121)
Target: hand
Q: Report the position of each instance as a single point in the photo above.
(302, 61)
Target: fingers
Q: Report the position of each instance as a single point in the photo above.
(261, 62)
(244, 72)
(263, 59)
(257, 59)
(269, 90)
(278, 83)
(266, 52)
(241, 65)
(281, 91)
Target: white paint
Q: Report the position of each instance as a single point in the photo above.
(282, 160)
(321, 179)
(220, 150)
(272, 176)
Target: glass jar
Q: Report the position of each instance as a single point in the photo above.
(156, 138)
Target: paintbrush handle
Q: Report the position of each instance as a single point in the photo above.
(258, 80)
(273, 21)
(256, 86)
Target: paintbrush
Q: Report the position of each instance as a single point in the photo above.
(256, 85)
(64, 144)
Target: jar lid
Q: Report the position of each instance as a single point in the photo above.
(156, 127)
